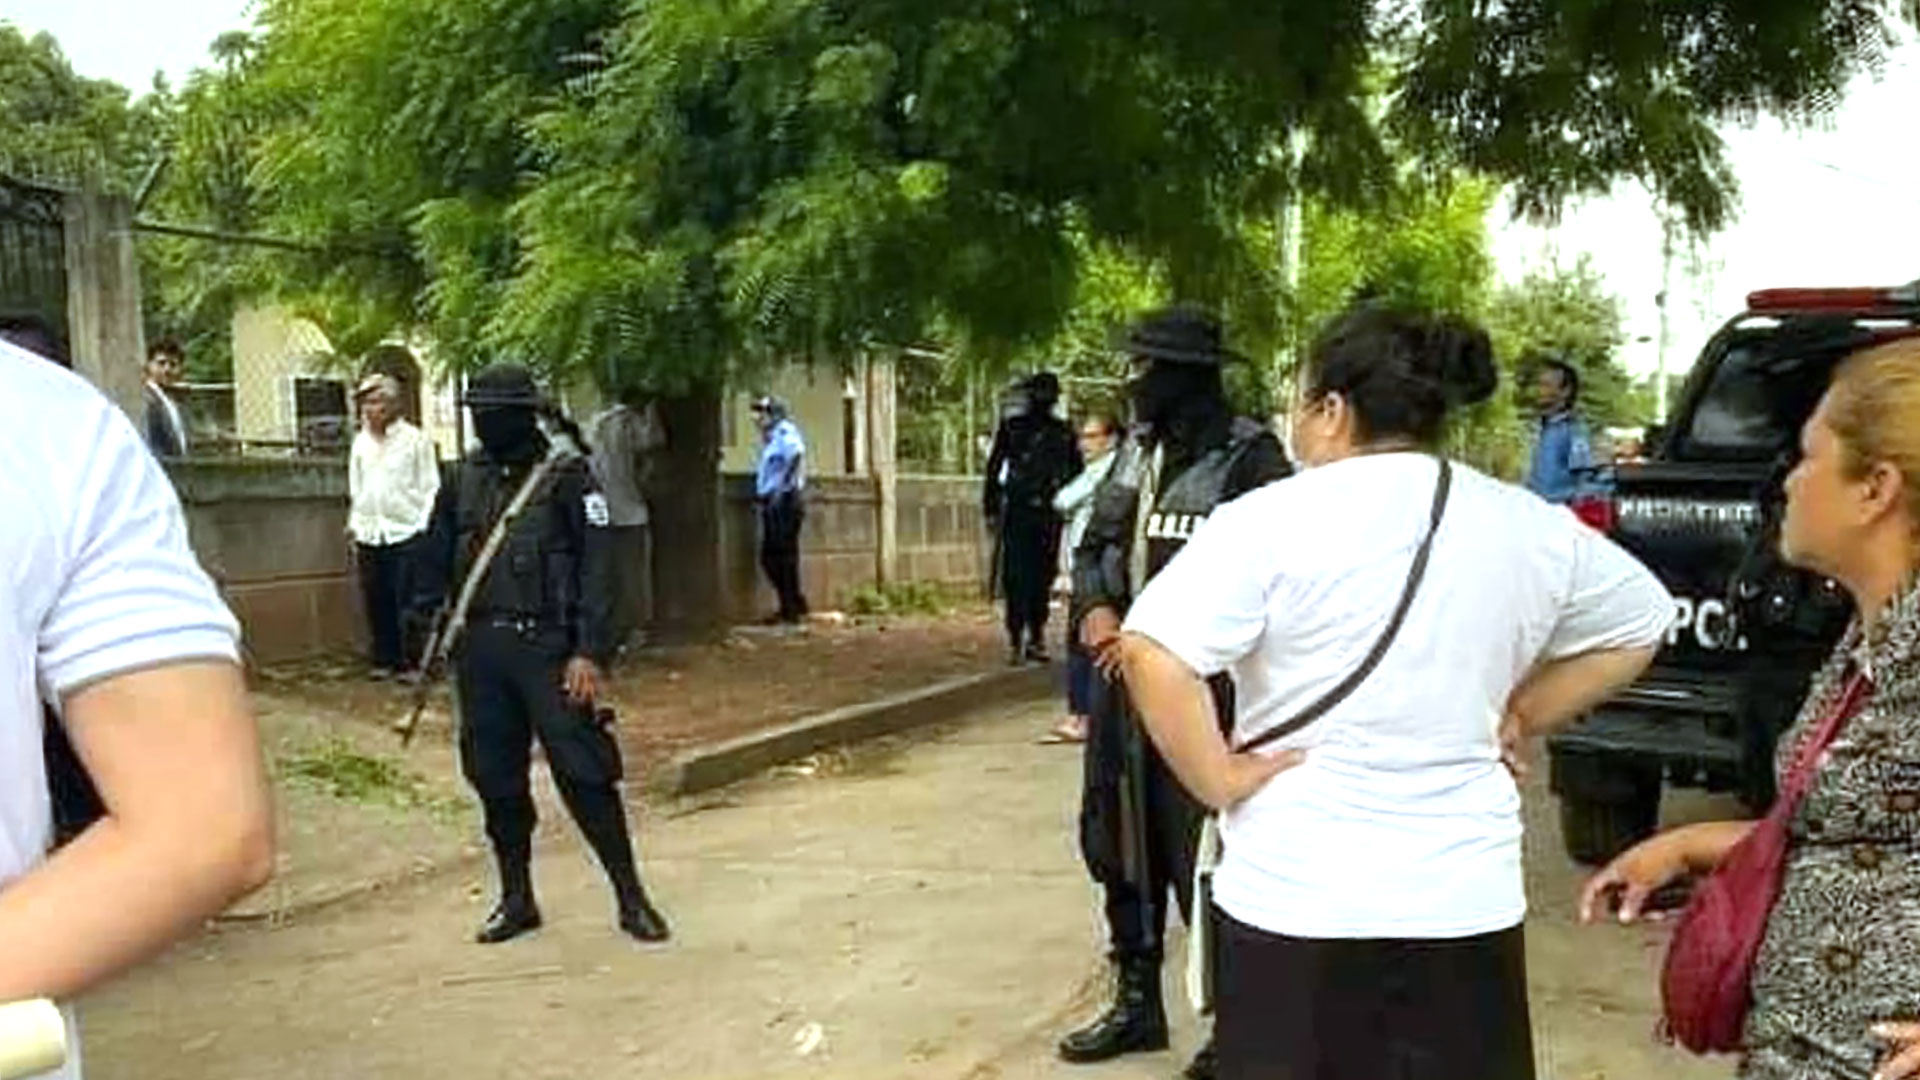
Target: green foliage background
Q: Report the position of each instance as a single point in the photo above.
(681, 193)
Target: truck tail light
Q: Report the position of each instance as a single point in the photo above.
(1598, 511)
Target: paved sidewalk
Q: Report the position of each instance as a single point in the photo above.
(920, 914)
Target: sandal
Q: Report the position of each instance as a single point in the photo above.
(1073, 729)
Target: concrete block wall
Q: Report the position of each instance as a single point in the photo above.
(942, 531)
(273, 534)
(837, 545)
(942, 539)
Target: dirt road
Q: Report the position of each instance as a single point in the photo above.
(920, 914)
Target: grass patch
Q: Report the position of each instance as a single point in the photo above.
(338, 770)
(903, 598)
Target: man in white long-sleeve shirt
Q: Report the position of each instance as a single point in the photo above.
(393, 477)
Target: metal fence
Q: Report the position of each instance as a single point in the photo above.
(33, 254)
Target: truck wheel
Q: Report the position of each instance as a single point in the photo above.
(1595, 831)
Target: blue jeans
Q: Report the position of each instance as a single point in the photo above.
(1080, 676)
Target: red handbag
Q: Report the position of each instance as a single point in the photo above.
(1706, 986)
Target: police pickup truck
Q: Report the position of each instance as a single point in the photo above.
(1703, 511)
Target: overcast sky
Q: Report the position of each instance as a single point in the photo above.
(127, 40)
(1830, 207)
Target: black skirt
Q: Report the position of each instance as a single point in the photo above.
(1383, 1009)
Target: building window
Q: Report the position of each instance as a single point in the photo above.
(321, 422)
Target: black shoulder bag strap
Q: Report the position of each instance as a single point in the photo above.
(1441, 490)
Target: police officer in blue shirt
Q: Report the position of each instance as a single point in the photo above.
(528, 664)
(780, 485)
(1562, 468)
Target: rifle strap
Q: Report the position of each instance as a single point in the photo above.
(490, 548)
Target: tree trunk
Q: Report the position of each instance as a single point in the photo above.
(881, 447)
(685, 504)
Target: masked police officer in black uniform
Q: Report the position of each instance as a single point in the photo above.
(1138, 827)
(1035, 451)
(528, 662)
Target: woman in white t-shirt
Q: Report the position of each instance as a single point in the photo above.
(1369, 901)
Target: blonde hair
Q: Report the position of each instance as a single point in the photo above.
(1874, 410)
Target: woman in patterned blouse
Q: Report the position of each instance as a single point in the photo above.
(1836, 990)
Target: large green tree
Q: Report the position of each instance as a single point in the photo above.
(673, 187)
(400, 138)
(1427, 247)
(215, 128)
(58, 126)
(1567, 314)
(671, 191)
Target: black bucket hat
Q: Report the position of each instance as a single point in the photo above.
(502, 386)
(1179, 335)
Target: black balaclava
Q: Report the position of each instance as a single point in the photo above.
(1043, 393)
(1182, 408)
(510, 433)
(505, 404)
(1156, 393)
(1182, 404)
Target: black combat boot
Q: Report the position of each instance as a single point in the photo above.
(511, 917)
(1205, 1064)
(641, 920)
(1136, 1023)
(602, 818)
(510, 824)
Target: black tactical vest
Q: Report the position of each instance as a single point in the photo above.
(535, 574)
(1189, 498)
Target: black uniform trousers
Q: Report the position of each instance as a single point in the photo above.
(1137, 911)
(1029, 562)
(781, 518)
(511, 691)
(386, 589)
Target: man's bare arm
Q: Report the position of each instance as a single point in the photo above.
(188, 830)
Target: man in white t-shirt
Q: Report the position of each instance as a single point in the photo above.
(114, 621)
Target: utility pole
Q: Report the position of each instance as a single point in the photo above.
(1292, 228)
(1664, 300)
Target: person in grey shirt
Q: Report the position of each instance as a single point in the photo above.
(625, 438)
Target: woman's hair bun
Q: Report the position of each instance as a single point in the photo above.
(1403, 369)
(1462, 355)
